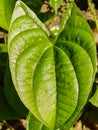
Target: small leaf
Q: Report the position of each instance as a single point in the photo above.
(94, 99)
(55, 4)
(34, 124)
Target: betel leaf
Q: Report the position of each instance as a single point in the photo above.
(53, 80)
(29, 30)
(76, 35)
(6, 9)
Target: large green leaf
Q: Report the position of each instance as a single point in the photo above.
(52, 79)
(31, 33)
(76, 35)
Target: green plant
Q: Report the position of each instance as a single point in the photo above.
(52, 73)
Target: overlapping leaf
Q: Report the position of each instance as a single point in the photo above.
(11, 94)
(77, 35)
(6, 111)
(94, 97)
(34, 124)
(6, 8)
(52, 80)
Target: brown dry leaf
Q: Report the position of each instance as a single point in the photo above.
(78, 125)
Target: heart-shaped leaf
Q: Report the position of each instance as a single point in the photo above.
(52, 79)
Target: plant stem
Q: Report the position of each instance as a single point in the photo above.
(7, 125)
(94, 12)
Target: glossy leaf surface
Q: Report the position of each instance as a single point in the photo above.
(52, 80)
(79, 44)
